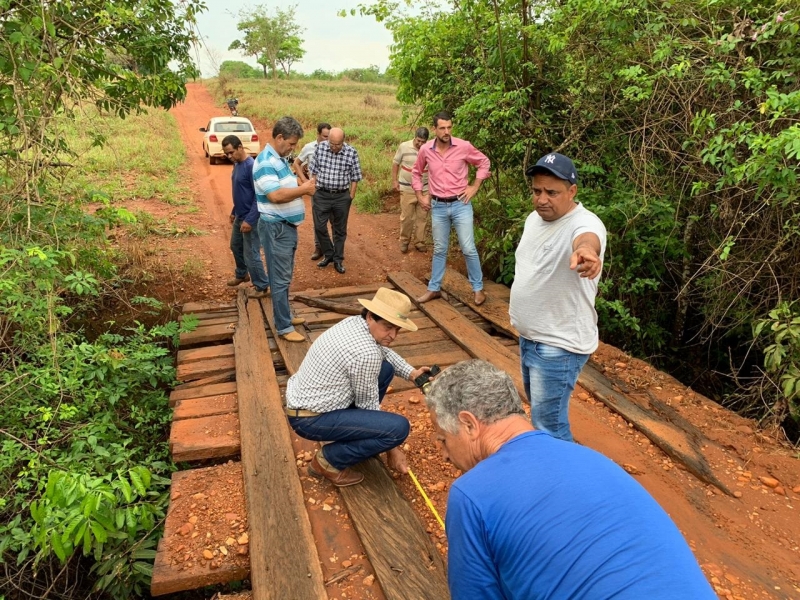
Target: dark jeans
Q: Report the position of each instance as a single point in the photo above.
(355, 434)
(280, 243)
(336, 208)
(246, 248)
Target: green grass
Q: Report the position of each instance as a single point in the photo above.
(143, 158)
(368, 112)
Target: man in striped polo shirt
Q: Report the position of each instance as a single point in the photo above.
(281, 210)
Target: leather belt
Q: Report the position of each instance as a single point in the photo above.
(448, 199)
(342, 191)
(299, 412)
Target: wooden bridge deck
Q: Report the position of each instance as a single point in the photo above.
(228, 413)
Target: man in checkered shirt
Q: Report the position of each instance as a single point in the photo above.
(338, 172)
(336, 394)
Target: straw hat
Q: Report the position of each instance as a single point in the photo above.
(392, 306)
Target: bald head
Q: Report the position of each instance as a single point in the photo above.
(336, 139)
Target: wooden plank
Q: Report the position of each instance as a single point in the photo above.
(205, 407)
(204, 437)
(683, 444)
(221, 320)
(462, 331)
(394, 538)
(198, 307)
(211, 379)
(498, 290)
(494, 310)
(171, 571)
(292, 352)
(350, 290)
(205, 368)
(284, 560)
(204, 316)
(204, 335)
(204, 353)
(330, 305)
(407, 564)
(201, 392)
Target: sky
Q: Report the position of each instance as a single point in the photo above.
(331, 43)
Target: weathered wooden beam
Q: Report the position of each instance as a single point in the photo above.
(204, 335)
(201, 307)
(329, 305)
(213, 389)
(205, 407)
(222, 377)
(205, 368)
(283, 558)
(215, 436)
(350, 290)
(196, 354)
(494, 310)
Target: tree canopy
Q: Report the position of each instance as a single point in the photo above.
(684, 119)
(270, 39)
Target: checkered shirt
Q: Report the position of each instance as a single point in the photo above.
(335, 171)
(341, 368)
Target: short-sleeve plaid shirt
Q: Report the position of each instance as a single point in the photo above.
(335, 171)
(341, 368)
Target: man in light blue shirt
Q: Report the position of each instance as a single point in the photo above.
(281, 210)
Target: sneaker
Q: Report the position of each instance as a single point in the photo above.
(237, 280)
(338, 478)
(293, 336)
(298, 320)
(404, 247)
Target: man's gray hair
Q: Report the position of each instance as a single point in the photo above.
(288, 127)
(475, 386)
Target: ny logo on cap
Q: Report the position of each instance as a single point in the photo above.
(550, 159)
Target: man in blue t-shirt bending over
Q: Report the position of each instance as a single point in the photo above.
(534, 517)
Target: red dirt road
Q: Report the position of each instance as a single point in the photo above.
(748, 546)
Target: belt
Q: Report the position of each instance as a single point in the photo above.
(342, 191)
(299, 412)
(448, 199)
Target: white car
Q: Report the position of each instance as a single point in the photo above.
(220, 127)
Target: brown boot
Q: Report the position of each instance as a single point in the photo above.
(480, 297)
(421, 247)
(259, 293)
(338, 478)
(428, 296)
(237, 280)
(293, 336)
(403, 247)
(298, 320)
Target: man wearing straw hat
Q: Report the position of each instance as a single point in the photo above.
(336, 394)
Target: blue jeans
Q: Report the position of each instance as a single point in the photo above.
(355, 434)
(246, 248)
(458, 215)
(549, 374)
(280, 243)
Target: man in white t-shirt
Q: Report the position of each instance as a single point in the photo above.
(558, 265)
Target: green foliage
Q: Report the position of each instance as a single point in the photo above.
(782, 355)
(270, 39)
(684, 120)
(237, 69)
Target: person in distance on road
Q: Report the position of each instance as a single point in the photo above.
(338, 171)
(301, 167)
(413, 218)
(336, 394)
(245, 244)
(533, 516)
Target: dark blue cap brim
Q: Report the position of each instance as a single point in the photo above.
(534, 169)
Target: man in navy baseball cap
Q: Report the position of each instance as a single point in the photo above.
(557, 165)
(559, 260)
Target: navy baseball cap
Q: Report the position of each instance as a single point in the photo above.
(556, 165)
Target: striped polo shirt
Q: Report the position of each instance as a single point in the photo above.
(271, 172)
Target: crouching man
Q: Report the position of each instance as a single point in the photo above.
(537, 517)
(336, 394)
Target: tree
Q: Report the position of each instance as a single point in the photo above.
(291, 51)
(264, 35)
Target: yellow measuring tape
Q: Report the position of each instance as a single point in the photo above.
(425, 496)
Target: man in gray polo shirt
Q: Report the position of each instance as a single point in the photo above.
(559, 260)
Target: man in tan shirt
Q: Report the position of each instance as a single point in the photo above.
(413, 218)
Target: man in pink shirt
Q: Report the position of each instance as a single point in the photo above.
(449, 200)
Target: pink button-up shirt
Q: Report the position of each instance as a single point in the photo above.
(447, 174)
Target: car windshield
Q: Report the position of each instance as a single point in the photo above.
(232, 127)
